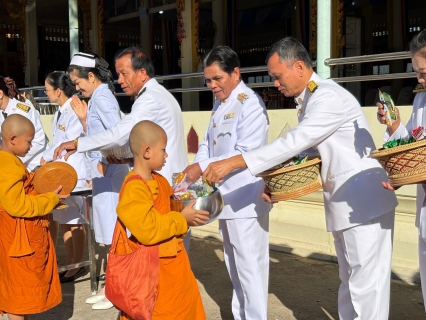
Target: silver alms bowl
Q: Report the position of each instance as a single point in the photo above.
(213, 203)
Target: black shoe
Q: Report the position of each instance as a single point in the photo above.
(101, 277)
(78, 274)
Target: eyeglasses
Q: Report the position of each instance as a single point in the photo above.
(45, 91)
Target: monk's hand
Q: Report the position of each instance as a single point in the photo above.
(216, 171)
(69, 147)
(193, 216)
(387, 185)
(42, 161)
(266, 195)
(193, 172)
(60, 196)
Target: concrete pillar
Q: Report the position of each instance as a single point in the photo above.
(73, 26)
(145, 28)
(94, 32)
(31, 46)
(324, 24)
(190, 101)
(218, 11)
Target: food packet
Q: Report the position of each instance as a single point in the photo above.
(183, 190)
(388, 107)
(418, 133)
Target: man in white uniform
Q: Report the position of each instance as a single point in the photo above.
(153, 102)
(398, 130)
(239, 123)
(359, 211)
(12, 102)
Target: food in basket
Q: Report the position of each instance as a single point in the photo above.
(294, 181)
(54, 174)
(122, 152)
(388, 107)
(404, 163)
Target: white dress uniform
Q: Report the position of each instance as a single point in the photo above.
(39, 143)
(238, 125)
(67, 127)
(418, 118)
(156, 104)
(359, 211)
(104, 113)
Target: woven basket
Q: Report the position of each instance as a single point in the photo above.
(54, 174)
(293, 182)
(404, 164)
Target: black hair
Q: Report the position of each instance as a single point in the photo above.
(290, 50)
(418, 44)
(100, 71)
(139, 58)
(226, 58)
(60, 80)
(8, 86)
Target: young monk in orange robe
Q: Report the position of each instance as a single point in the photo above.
(178, 293)
(29, 281)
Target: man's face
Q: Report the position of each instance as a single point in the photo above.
(287, 78)
(131, 81)
(219, 82)
(419, 67)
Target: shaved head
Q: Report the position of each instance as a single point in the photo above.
(145, 133)
(16, 125)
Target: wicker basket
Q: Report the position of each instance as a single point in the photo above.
(404, 164)
(293, 182)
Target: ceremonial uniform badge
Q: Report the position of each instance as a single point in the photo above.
(312, 86)
(61, 127)
(242, 97)
(228, 116)
(23, 107)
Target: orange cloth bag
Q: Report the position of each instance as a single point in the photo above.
(132, 273)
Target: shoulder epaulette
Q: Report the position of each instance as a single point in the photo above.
(23, 107)
(312, 86)
(242, 97)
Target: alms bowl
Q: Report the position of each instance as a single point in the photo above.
(213, 204)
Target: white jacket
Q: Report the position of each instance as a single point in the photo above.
(332, 120)
(157, 105)
(237, 126)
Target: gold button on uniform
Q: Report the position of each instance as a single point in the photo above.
(300, 100)
(214, 125)
(300, 111)
(214, 141)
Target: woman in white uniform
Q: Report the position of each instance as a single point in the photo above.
(92, 78)
(66, 125)
(11, 102)
(398, 130)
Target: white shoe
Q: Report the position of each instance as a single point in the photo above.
(95, 299)
(102, 305)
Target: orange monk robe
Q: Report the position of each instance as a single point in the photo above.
(29, 281)
(178, 293)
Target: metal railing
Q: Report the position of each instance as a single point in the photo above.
(45, 108)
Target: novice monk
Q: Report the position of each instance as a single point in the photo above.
(149, 219)
(29, 281)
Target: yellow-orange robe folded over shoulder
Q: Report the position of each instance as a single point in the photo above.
(178, 293)
(29, 281)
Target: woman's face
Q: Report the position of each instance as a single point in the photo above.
(51, 92)
(419, 67)
(85, 86)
